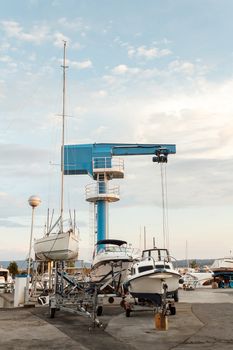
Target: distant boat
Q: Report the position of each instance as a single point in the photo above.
(223, 264)
(153, 276)
(197, 279)
(5, 280)
(111, 261)
(59, 245)
(223, 271)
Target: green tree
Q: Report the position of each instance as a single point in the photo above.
(193, 264)
(13, 268)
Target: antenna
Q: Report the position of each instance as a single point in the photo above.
(153, 242)
(144, 237)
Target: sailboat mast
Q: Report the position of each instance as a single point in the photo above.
(64, 67)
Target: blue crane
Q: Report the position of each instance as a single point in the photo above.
(101, 162)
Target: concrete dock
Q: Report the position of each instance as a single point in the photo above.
(204, 320)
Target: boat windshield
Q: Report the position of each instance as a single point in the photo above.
(4, 274)
(145, 268)
(162, 266)
(111, 248)
(156, 254)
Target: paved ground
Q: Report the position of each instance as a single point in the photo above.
(203, 321)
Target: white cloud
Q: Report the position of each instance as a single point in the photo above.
(81, 65)
(182, 67)
(122, 69)
(148, 52)
(3, 194)
(100, 94)
(109, 79)
(36, 35)
(188, 68)
(5, 59)
(80, 110)
(152, 52)
(76, 24)
(59, 39)
(11, 28)
(99, 131)
(76, 46)
(5, 46)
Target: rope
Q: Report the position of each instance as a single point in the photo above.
(164, 205)
(166, 209)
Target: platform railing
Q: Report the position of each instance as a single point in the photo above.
(115, 163)
(96, 190)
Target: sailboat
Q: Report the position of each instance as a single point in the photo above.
(60, 244)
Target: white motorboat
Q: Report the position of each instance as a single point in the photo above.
(6, 282)
(197, 279)
(153, 277)
(111, 262)
(223, 271)
(62, 245)
(222, 264)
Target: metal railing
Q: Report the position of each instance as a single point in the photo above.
(115, 163)
(101, 189)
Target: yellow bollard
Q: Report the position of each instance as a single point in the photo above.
(161, 322)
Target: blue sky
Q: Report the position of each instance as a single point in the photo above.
(139, 71)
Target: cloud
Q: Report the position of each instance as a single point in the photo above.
(76, 24)
(188, 68)
(59, 39)
(19, 160)
(182, 67)
(148, 52)
(100, 93)
(122, 69)
(36, 35)
(81, 65)
(5, 59)
(8, 223)
(143, 51)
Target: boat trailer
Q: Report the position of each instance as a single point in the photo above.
(84, 298)
(165, 308)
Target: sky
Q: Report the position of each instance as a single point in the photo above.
(140, 71)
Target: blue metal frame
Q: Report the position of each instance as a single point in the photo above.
(78, 160)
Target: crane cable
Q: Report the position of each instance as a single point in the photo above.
(164, 205)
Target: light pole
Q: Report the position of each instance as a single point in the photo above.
(33, 201)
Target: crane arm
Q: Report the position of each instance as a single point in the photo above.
(78, 159)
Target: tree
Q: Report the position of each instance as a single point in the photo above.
(193, 264)
(13, 268)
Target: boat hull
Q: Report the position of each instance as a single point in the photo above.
(152, 285)
(118, 268)
(62, 246)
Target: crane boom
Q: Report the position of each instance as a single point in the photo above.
(78, 159)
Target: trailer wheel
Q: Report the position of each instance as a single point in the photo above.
(127, 312)
(176, 296)
(99, 310)
(52, 312)
(172, 310)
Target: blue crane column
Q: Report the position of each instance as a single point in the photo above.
(96, 161)
(101, 212)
